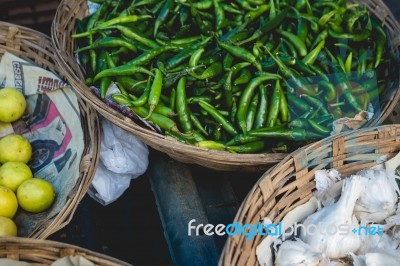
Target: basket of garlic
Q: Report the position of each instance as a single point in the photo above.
(334, 202)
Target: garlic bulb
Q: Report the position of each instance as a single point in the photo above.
(297, 253)
(328, 185)
(371, 243)
(335, 244)
(379, 197)
(329, 262)
(382, 258)
(298, 214)
(393, 220)
(358, 260)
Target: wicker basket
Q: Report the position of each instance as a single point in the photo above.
(37, 48)
(291, 182)
(45, 252)
(62, 29)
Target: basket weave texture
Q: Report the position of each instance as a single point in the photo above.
(36, 47)
(291, 182)
(45, 252)
(62, 29)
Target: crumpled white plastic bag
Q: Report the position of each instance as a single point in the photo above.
(122, 157)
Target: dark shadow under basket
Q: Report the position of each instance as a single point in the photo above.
(62, 29)
(36, 47)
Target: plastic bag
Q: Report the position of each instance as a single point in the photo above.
(122, 158)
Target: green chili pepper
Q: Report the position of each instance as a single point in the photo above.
(283, 133)
(230, 9)
(295, 40)
(272, 9)
(246, 5)
(295, 81)
(329, 89)
(251, 112)
(353, 19)
(380, 42)
(201, 5)
(172, 99)
(304, 68)
(182, 106)
(195, 57)
(146, 57)
(130, 33)
(218, 117)
(238, 67)
(251, 147)
(183, 15)
(101, 64)
(300, 4)
(244, 77)
(299, 123)
(346, 89)
(109, 42)
(274, 106)
(213, 70)
(187, 40)
(165, 123)
(270, 25)
(228, 90)
(310, 58)
(155, 92)
(283, 108)
(254, 14)
(124, 70)
(298, 102)
(210, 144)
(242, 139)
(246, 97)
(240, 52)
(122, 20)
(121, 99)
(326, 17)
(233, 110)
(317, 103)
(162, 15)
(321, 74)
(142, 100)
(348, 63)
(318, 128)
(227, 62)
(185, 54)
(196, 122)
(219, 15)
(302, 29)
(356, 37)
(164, 110)
(93, 56)
(262, 112)
(104, 85)
(323, 119)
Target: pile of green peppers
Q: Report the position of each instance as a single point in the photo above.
(245, 76)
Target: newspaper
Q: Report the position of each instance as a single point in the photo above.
(52, 124)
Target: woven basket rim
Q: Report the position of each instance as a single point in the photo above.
(263, 194)
(18, 248)
(32, 41)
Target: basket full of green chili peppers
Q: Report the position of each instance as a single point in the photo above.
(254, 76)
